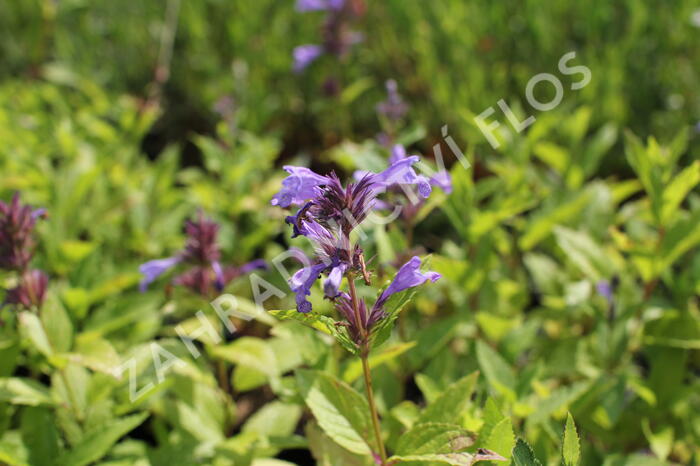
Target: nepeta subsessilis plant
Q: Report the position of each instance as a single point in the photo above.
(205, 273)
(17, 244)
(337, 34)
(328, 215)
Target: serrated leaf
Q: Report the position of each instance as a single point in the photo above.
(341, 412)
(501, 439)
(571, 450)
(310, 319)
(97, 443)
(453, 401)
(432, 437)
(523, 455)
(453, 459)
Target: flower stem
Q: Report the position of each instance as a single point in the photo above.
(373, 406)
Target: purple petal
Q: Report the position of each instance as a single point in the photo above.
(408, 276)
(219, 273)
(257, 264)
(154, 269)
(301, 283)
(398, 152)
(304, 55)
(311, 5)
(605, 290)
(38, 213)
(298, 187)
(401, 172)
(331, 287)
(442, 180)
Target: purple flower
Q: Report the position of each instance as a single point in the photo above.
(605, 289)
(408, 276)
(303, 6)
(151, 270)
(401, 173)
(394, 108)
(17, 223)
(304, 55)
(202, 254)
(441, 179)
(331, 287)
(301, 283)
(298, 187)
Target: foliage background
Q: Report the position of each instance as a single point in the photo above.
(522, 242)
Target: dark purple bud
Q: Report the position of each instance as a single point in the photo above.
(31, 290)
(17, 223)
(201, 247)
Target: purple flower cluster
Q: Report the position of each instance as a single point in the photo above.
(338, 37)
(201, 253)
(394, 108)
(17, 223)
(329, 212)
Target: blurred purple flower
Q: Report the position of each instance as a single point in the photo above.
(319, 5)
(151, 270)
(604, 288)
(31, 290)
(394, 108)
(202, 254)
(16, 227)
(304, 55)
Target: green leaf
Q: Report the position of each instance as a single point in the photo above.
(453, 459)
(452, 403)
(33, 329)
(584, 253)
(97, 443)
(328, 453)
(249, 351)
(431, 437)
(497, 371)
(322, 323)
(678, 189)
(354, 369)
(661, 442)
(501, 439)
(21, 391)
(310, 319)
(341, 412)
(523, 455)
(40, 435)
(571, 450)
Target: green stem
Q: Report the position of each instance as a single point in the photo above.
(372, 405)
(364, 354)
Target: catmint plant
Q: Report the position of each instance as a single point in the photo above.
(327, 216)
(204, 274)
(17, 246)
